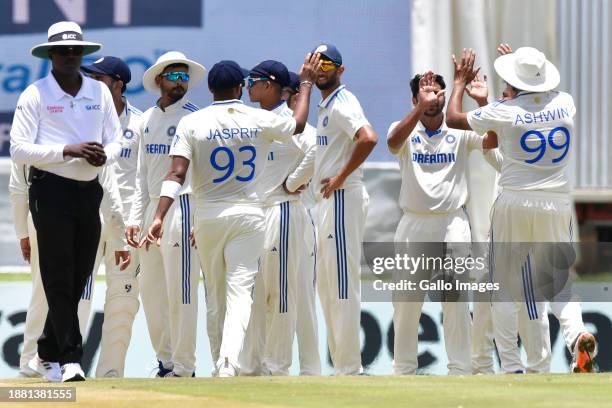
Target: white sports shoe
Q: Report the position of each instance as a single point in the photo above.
(49, 370)
(227, 369)
(72, 372)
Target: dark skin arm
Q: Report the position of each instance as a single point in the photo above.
(178, 171)
(465, 73)
(365, 140)
(308, 72)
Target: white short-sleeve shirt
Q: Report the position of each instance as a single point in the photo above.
(283, 158)
(227, 144)
(535, 133)
(433, 167)
(125, 167)
(47, 118)
(340, 117)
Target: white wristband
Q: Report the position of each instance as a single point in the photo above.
(170, 189)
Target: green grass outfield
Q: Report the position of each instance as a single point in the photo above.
(551, 390)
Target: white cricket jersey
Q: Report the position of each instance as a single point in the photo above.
(155, 134)
(227, 144)
(340, 117)
(125, 166)
(535, 132)
(434, 166)
(47, 118)
(283, 159)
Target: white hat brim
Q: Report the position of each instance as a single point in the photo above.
(196, 73)
(504, 66)
(42, 50)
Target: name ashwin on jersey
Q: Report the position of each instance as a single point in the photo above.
(543, 116)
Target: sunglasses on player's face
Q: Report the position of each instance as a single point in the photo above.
(252, 81)
(175, 76)
(64, 51)
(327, 66)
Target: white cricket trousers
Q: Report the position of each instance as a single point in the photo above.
(230, 243)
(518, 220)
(340, 228)
(435, 228)
(169, 277)
(38, 308)
(120, 307)
(307, 325)
(287, 254)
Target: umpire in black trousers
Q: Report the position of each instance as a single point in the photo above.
(65, 127)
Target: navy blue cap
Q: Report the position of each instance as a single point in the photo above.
(294, 81)
(276, 71)
(111, 66)
(330, 52)
(226, 74)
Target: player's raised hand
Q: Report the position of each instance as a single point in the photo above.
(428, 97)
(504, 49)
(478, 90)
(131, 234)
(310, 67)
(153, 236)
(464, 69)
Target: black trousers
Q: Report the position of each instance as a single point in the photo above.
(67, 221)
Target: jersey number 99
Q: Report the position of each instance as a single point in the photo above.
(541, 143)
(222, 159)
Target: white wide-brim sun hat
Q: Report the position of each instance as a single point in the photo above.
(196, 71)
(528, 69)
(64, 34)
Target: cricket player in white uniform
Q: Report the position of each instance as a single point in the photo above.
(170, 271)
(121, 303)
(289, 240)
(535, 131)
(307, 329)
(344, 141)
(228, 144)
(433, 163)
(30, 365)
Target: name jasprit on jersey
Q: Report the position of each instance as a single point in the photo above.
(230, 133)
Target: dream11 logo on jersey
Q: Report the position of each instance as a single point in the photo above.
(33, 16)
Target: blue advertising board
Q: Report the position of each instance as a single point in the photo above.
(374, 38)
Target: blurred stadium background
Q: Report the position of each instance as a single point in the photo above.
(383, 44)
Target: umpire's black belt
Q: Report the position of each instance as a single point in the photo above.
(38, 174)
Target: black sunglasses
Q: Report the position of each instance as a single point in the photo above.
(78, 50)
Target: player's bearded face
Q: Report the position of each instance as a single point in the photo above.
(174, 89)
(327, 80)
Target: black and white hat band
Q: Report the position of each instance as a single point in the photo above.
(66, 35)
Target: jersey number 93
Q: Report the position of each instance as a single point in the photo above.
(223, 160)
